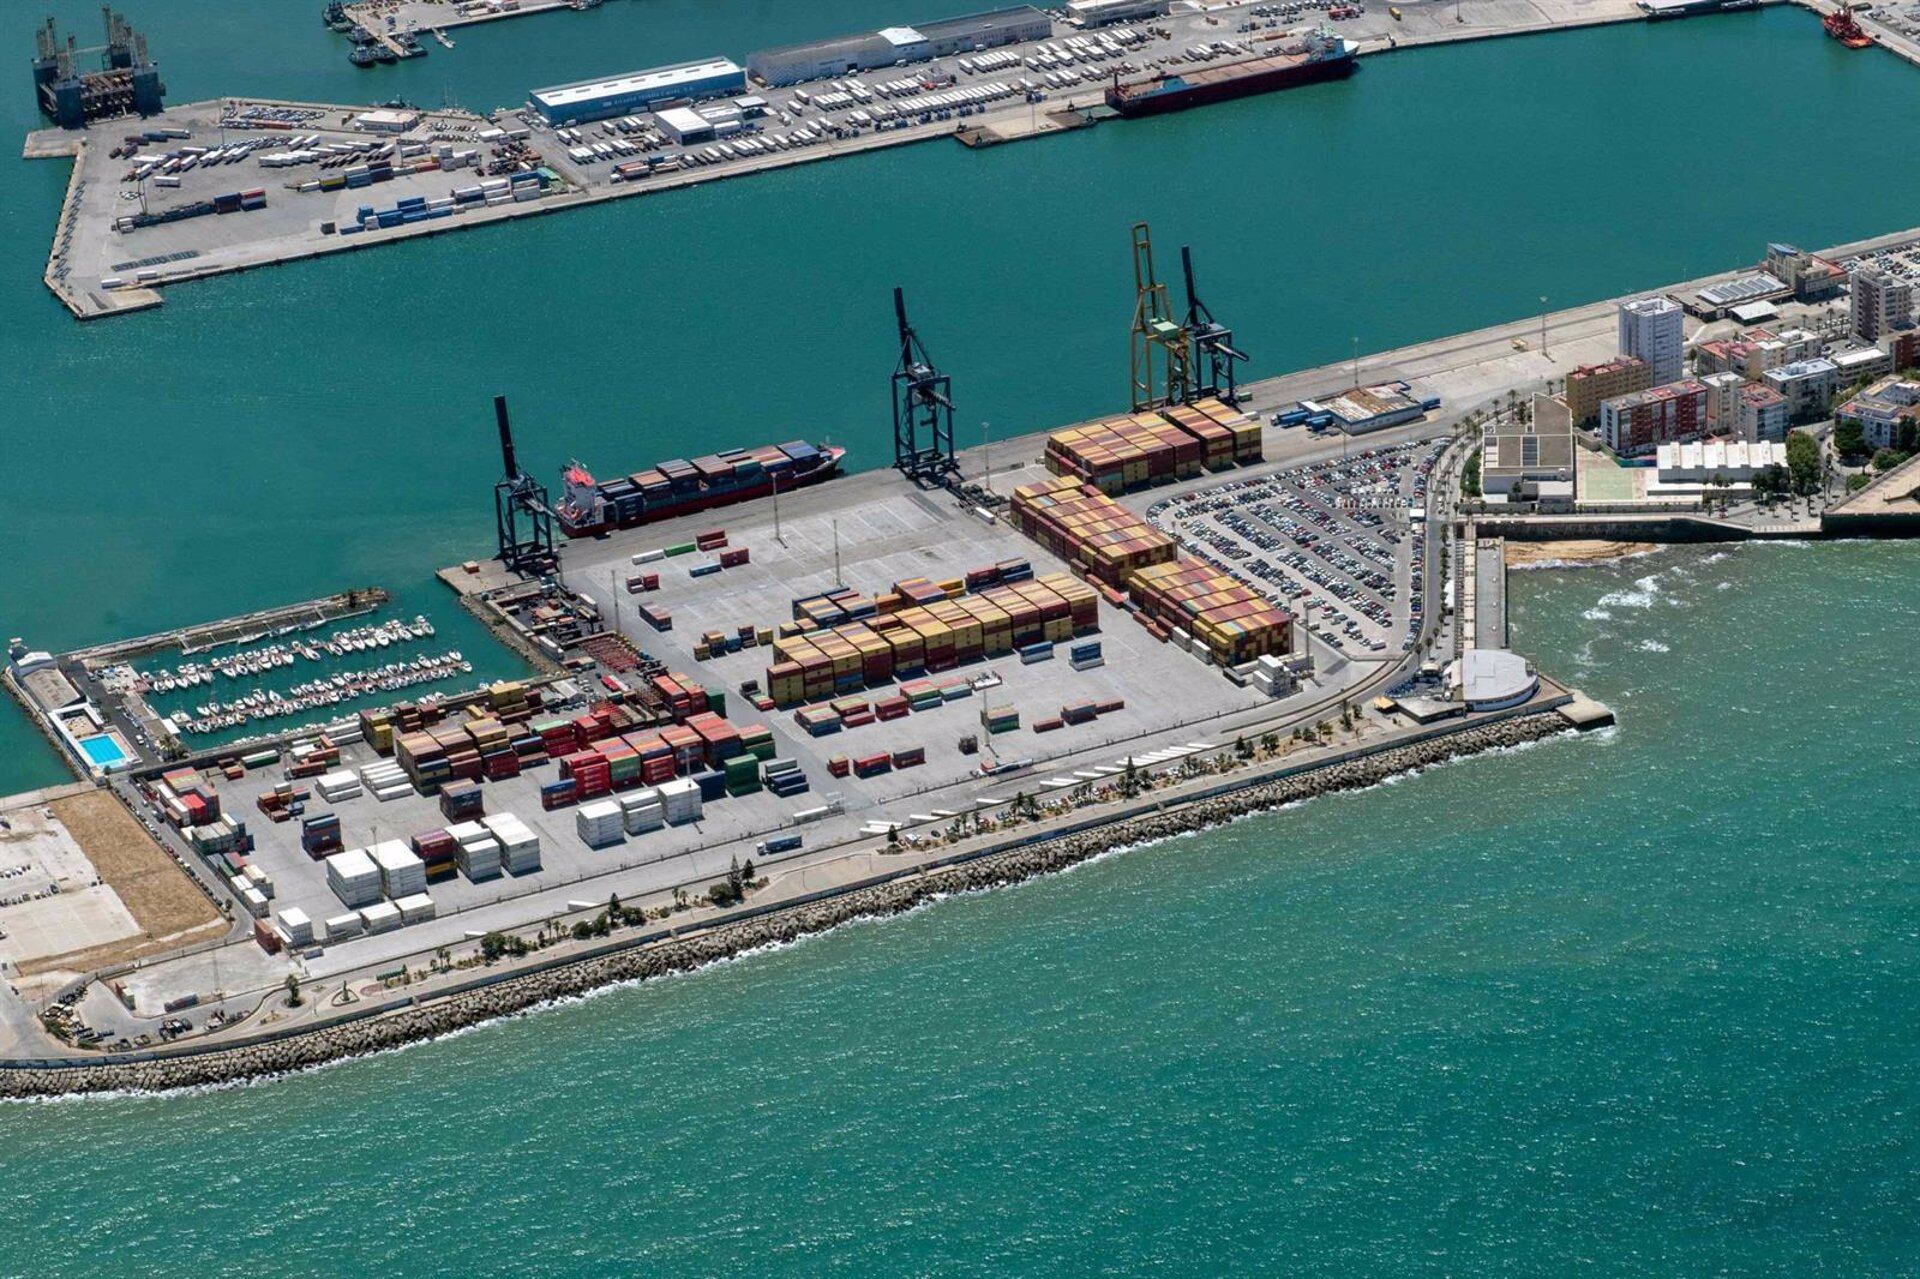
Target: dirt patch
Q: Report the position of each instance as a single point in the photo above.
(1533, 554)
(169, 908)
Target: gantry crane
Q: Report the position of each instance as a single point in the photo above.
(518, 497)
(922, 409)
(1214, 353)
(1161, 372)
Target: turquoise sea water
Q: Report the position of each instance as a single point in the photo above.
(1637, 1005)
(271, 436)
(1632, 1005)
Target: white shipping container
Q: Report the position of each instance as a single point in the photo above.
(415, 908)
(381, 917)
(296, 927)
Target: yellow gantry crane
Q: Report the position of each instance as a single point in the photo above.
(1161, 375)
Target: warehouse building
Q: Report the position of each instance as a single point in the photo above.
(1373, 408)
(1697, 468)
(602, 99)
(1099, 13)
(898, 46)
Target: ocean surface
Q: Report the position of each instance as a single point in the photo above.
(1639, 1003)
(1633, 1004)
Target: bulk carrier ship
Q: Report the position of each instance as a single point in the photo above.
(588, 508)
(1323, 56)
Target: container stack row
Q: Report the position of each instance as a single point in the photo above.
(1234, 623)
(1084, 526)
(1119, 454)
(933, 636)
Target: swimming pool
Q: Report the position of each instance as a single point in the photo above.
(103, 750)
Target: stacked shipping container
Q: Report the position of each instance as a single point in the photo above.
(1119, 454)
(935, 635)
(1083, 526)
(1233, 622)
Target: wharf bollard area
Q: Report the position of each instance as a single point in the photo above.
(643, 958)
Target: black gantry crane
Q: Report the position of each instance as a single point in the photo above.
(1214, 354)
(522, 515)
(922, 409)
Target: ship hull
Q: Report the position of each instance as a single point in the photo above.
(1136, 104)
(694, 503)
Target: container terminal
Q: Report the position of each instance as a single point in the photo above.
(162, 194)
(826, 682)
(801, 691)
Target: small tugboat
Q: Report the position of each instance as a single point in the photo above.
(1844, 27)
(362, 55)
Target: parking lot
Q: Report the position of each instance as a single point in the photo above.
(1341, 541)
(1073, 65)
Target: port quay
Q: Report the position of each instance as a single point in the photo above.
(324, 178)
(766, 696)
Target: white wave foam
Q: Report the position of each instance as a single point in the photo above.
(1645, 591)
(1652, 646)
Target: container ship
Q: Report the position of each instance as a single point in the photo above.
(588, 508)
(1323, 56)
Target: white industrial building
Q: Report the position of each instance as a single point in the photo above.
(898, 46)
(1651, 330)
(622, 95)
(1685, 470)
(1098, 13)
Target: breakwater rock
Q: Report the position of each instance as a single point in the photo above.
(642, 959)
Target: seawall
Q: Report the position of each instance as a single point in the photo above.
(644, 957)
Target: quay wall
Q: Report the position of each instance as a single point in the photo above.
(646, 956)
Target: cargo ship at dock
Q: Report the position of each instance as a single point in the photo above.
(588, 508)
(1322, 56)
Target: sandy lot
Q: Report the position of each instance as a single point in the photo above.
(167, 907)
(1539, 554)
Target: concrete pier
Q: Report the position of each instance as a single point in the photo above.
(97, 271)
